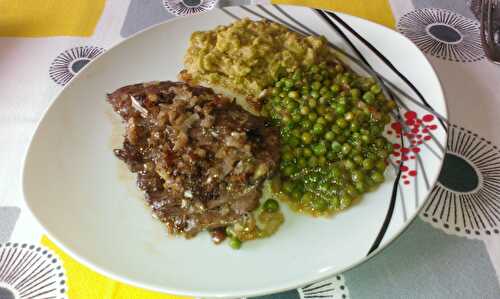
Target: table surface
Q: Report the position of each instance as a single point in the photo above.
(433, 258)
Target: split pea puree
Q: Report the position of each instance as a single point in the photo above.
(248, 56)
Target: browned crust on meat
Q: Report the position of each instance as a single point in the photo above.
(200, 158)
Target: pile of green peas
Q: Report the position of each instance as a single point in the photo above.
(332, 145)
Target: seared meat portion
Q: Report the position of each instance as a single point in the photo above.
(200, 158)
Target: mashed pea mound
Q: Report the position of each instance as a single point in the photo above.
(248, 56)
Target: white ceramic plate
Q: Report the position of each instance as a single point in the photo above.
(88, 204)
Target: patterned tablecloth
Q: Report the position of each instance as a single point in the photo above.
(452, 250)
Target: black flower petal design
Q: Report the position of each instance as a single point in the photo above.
(327, 289)
(71, 61)
(188, 7)
(443, 34)
(465, 200)
(29, 271)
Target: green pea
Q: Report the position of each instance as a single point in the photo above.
(302, 163)
(366, 138)
(377, 177)
(376, 89)
(306, 137)
(341, 138)
(306, 124)
(357, 176)
(293, 95)
(368, 164)
(307, 152)
(360, 187)
(316, 85)
(314, 69)
(319, 149)
(355, 93)
(329, 116)
(358, 159)
(321, 120)
(314, 94)
(321, 109)
(296, 117)
(342, 100)
(336, 147)
(371, 155)
(330, 156)
(318, 128)
(340, 109)
(345, 79)
(346, 148)
(289, 83)
(323, 91)
(369, 97)
(304, 110)
(342, 123)
(271, 206)
(235, 243)
(349, 116)
(336, 129)
(312, 116)
(335, 88)
(349, 164)
(311, 102)
(329, 135)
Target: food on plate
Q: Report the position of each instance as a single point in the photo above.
(247, 56)
(200, 159)
(332, 145)
(331, 119)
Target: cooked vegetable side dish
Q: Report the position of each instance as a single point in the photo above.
(202, 160)
(248, 56)
(331, 123)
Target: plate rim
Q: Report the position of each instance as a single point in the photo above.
(313, 278)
